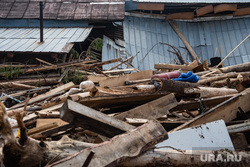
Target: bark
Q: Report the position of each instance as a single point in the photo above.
(175, 86)
(236, 68)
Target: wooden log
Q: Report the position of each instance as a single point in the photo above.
(152, 110)
(226, 110)
(136, 81)
(181, 15)
(150, 6)
(41, 82)
(204, 10)
(93, 120)
(236, 68)
(182, 37)
(19, 86)
(225, 8)
(175, 86)
(173, 67)
(205, 92)
(242, 12)
(119, 148)
(47, 94)
(239, 128)
(222, 76)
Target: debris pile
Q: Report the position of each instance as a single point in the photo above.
(174, 115)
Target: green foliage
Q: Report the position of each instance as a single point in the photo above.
(10, 72)
(75, 53)
(95, 45)
(74, 76)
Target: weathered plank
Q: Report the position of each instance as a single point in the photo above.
(93, 120)
(225, 7)
(204, 10)
(226, 110)
(47, 94)
(150, 6)
(119, 148)
(120, 81)
(151, 110)
(181, 15)
(238, 128)
(182, 37)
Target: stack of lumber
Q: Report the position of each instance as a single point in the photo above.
(120, 119)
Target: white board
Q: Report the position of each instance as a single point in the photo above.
(209, 136)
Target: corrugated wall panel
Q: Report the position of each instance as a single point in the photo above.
(141, 34)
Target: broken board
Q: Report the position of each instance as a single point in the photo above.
(93, 120)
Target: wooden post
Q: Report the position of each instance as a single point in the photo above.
(93, 120)
(232, 51)
(179, 33)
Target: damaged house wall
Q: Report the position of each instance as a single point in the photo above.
(141, 34)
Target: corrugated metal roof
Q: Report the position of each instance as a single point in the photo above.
(28, 39)
(193, 1)
(144, 35)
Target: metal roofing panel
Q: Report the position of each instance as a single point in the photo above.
(193, 1)
(202, 36)
(28, 39)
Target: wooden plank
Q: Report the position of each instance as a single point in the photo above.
(78, 96)
(47, 94)
(204, 10)
(140, 75)
(93, 120)
(182, 37)
(119, 148)
(42, 128)
(118, 71)
(181, 15)
(226, 110)
(116, 101)
(195, 104)
(96, 79)
(120, 81)
(113, 82)
(150, 6)
(242, 12)
(225, 7)
(41, 122)
(239, 128)
(55, 130)
(152, 110)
